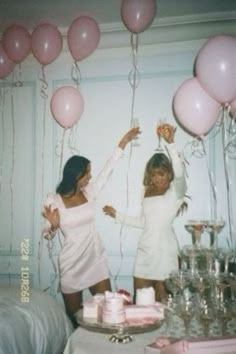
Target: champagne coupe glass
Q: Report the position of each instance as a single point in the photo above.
(159, 133)
(180, 279)
(135, 124)
(214, 227)
(185, 310)
(223, 314)
(196, 228)
(206, 317)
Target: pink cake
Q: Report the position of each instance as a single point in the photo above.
(113, 309)
(143, 314)
(92, 308)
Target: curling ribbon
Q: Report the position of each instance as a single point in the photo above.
(75, 73)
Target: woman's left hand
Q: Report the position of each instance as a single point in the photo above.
(130, 135)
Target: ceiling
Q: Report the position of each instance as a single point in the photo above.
(62, 12)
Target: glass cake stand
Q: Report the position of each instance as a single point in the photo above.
(120, 333)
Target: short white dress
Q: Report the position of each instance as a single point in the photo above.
(157, 250)
(82, 259)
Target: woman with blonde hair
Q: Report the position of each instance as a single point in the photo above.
(164, 190)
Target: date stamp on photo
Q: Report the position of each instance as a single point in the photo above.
(25, 275)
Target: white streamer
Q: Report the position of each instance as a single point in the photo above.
(228, 180)
(134, 79)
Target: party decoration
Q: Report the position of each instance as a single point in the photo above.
(46, 43)
(16, 41)
(6, 64)
(137, 15)
(67, 105)
(194, 108)
(216, 69)
(83, 37)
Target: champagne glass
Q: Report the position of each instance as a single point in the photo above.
(159, 134)
(135, 124)
(206, 318)
(185, 310)
(214, 227)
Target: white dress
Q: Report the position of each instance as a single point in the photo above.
(157, 251)
(82, 260)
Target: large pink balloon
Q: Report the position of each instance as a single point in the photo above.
(216, 67)
(16, 41)
(6, 64)
(137, 15)
(46, 43)
(194, 108)
(83, 37)
(67, 105)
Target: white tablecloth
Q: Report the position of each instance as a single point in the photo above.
(87, 342)
(83, 341)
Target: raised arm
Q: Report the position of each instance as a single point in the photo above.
(95, 187)
(167, 131)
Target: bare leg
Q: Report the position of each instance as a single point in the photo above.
(100, 287)
(73, 302)
(160, 290)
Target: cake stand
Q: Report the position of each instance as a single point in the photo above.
(120, 333)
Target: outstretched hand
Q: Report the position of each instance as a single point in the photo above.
(52, 215)
(109, 210)
(167, 132)
(130, 135)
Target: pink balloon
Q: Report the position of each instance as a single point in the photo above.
(137, 15)
(194, 108)
(46, 43)
(6, 64)
(216, 67)
(16, 41)
(83, 37)
(67, 105)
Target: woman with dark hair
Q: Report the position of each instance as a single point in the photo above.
(164, 190)
(82, 261)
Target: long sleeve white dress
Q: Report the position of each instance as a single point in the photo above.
(82, 260)
(157, 250)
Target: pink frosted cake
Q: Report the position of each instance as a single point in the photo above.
(92, 308)
(113, 309)
(145, 296)
(143, 314)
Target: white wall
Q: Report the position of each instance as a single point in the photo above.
(29, 156)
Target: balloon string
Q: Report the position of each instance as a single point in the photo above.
(72, 139)
(76, 74)
(231, 143)
(62, 152)
(228, 184)
(2, 103)
(133, 79)
(44, 96)
(211, 178)
(44, 86)
(11, 185)
(17, 76)
(134, 76)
